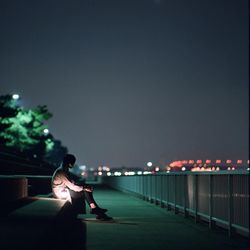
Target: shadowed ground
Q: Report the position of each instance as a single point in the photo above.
(137, 225)
(141, 225)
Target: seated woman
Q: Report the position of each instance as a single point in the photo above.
(66, 185)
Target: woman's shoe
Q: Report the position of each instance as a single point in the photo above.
(98, 210)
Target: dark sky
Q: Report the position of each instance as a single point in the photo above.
(131, 81)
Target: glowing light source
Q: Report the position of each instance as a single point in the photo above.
(45, 131)
(191, 162)
(229, 161)
(239, 161)
(199, 161)
(208, 161)
(108, 174)
(99, 173)
(157, 169)
(183, 169)
(218, 161)
(15, 96)
(149, 164)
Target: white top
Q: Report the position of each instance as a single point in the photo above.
(61, 183)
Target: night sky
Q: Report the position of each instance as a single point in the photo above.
(133, 81)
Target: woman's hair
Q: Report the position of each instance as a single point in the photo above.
(69, 159)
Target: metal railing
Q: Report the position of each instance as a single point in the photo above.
(220, 198)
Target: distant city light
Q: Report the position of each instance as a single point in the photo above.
(157, 169)
(99, 173)
(218, 161)
(83, 167)
(139, 172)
(15, 96)
(229, 161)
(108, 174)
(239, 161)
(183, 168)
(149, 164)
(208, 161)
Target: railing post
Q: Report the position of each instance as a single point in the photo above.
(210, 201)
(167, 201)
(161, 190)
(175, 208)
(196, 197)
(185, 195)
(230, 204)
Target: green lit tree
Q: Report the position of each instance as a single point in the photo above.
(23, 130)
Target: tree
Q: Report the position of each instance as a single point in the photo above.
(23, 130)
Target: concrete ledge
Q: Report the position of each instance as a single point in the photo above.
(13, 188)
(39, 209)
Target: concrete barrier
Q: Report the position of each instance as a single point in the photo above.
(13, 188)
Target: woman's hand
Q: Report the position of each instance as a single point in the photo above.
(87, 188)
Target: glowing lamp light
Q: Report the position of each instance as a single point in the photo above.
(191, 161)
(45, 131)
(208, 161)
(218, 161)
(199, 161)
(157, 169)
(183, 168)
(15, 96)
(99, 173)
(239, 161)
(228, 161)
(108, 174)
(149, 164)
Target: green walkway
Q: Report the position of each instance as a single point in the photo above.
(138, 225)
(141, 225)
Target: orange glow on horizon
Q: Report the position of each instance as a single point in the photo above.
(176, 164)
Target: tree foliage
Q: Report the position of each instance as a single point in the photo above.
(23, 129)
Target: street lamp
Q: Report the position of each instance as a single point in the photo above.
(46, 131)
(149, 164)
(15, 96)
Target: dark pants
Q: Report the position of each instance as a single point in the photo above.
(78, 199)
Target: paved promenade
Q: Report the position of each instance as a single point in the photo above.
(137, 225)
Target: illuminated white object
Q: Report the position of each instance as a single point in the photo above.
(149, 164)
(15, 96)
(64, 195)
(46, 131)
